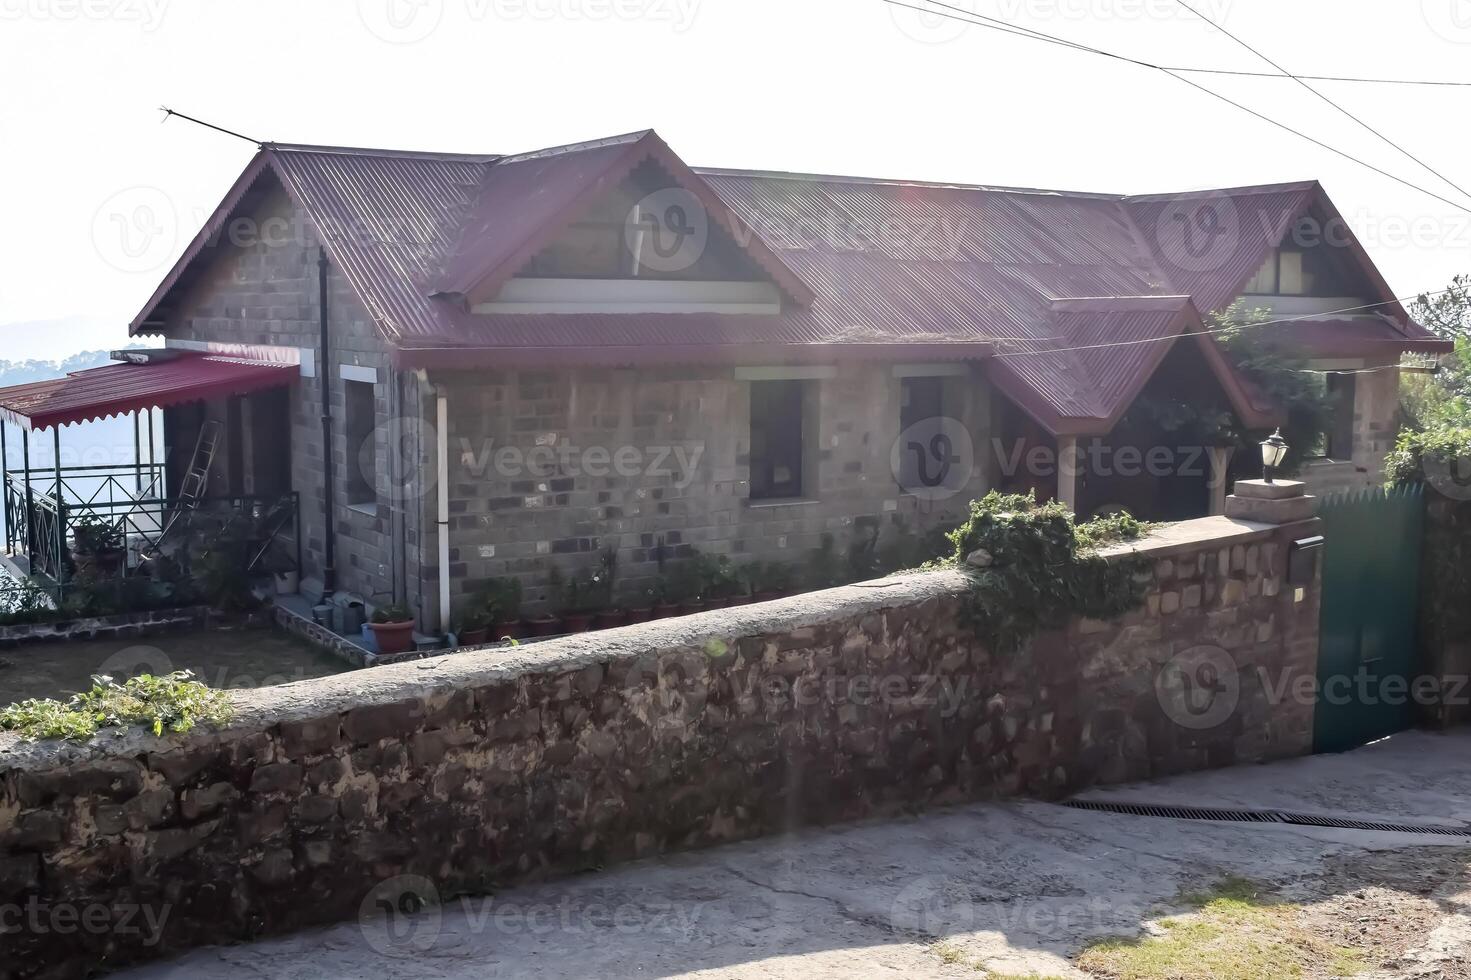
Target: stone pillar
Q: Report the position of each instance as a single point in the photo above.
(1068, 467)
(1278, 502)
(1220, 458)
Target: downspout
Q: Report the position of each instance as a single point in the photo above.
(441, 418)
(324, 380)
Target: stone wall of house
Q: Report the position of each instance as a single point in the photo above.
(549, 468)
(507, 765)
(1445, 606)
(258, 285)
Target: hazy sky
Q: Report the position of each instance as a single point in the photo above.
(834, 86)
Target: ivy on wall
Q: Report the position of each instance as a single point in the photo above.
(1033, 568)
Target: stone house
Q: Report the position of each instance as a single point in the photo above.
(504, 364)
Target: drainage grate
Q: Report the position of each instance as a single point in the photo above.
(1262, 816)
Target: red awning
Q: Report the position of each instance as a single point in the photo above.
(117, 389)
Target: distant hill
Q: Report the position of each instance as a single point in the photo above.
(108, 442)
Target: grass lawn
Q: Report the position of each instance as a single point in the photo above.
(1234, 933)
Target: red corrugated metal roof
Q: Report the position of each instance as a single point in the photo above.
(1353, 336)
(116, 389)
(955, 268)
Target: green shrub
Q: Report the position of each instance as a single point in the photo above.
(1042, 568)
(173, 703)
(1444, 442)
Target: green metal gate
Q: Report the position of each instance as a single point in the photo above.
(1367, 643)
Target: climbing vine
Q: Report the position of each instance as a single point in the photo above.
(1033, 568)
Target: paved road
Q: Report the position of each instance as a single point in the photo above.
(1014, 888)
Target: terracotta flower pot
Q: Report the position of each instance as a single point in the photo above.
(475, 637)
(544, 625)
(664, 610)
(610, 619)
(394, 637)
(642, 615)
(576, 622)
(503, 628)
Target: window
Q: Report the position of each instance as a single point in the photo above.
(919, 399)
(1336, 441)
(1283, 274)
(1341, 390)
(362, 445)
(779, 418)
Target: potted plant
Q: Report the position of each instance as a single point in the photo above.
(740, 585)
(771, 580)
(581, 599)
(601, 592)
(474, 626)
(97, 545)
(501, 603)
(393, 628)
(719, 581)
(663, 595)
(548, 624)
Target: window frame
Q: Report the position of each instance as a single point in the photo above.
(359, 427)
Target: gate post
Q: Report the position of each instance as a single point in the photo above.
(1278, 502)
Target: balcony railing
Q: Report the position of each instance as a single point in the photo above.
(43, 514)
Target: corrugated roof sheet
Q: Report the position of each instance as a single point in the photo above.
(955, 268)
(116, 389)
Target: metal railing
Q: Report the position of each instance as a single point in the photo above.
(43, 520)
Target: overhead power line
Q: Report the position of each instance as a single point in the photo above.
(1238, 73)
(1208, 332)
(1325, 98)
(992, 23)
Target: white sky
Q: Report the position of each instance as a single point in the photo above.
(834, 86)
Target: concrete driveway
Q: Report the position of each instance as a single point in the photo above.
(1006, 888)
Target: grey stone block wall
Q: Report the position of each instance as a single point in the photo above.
(549, 467)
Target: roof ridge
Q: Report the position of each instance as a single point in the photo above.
(372, 151)
(901, 182)
(552, 151)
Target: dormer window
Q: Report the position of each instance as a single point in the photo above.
(1283, 274)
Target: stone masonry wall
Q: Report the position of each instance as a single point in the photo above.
(1376, 424)
(1445, 607)
(688, 429)
(507, 765)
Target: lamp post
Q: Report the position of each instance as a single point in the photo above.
(1274, 451)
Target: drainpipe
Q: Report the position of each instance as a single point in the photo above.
(324, 379)
(441, 419)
